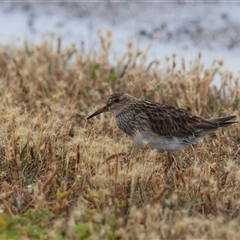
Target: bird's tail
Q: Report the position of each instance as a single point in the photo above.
(223, 122)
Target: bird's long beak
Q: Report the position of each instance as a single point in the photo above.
(101, 110)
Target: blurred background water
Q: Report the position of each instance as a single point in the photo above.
(179, 27)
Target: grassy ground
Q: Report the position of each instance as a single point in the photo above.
(65, 178)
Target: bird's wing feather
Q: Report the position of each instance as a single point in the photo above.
(171, 121)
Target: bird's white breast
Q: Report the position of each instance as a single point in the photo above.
(162, 143)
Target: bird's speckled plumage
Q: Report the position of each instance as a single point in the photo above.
(159, 126)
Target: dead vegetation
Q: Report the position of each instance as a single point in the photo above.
(64, 178)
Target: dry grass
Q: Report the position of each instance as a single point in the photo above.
(65, 178)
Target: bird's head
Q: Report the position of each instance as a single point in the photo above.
(115, 104)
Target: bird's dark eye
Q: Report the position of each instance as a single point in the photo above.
(116, 100)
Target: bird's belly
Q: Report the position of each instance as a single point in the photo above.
(161, 143)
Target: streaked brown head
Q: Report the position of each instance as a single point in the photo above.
(115, 103)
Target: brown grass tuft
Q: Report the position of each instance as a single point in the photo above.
(74, 179)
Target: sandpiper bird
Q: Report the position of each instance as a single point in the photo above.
(159, 126)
